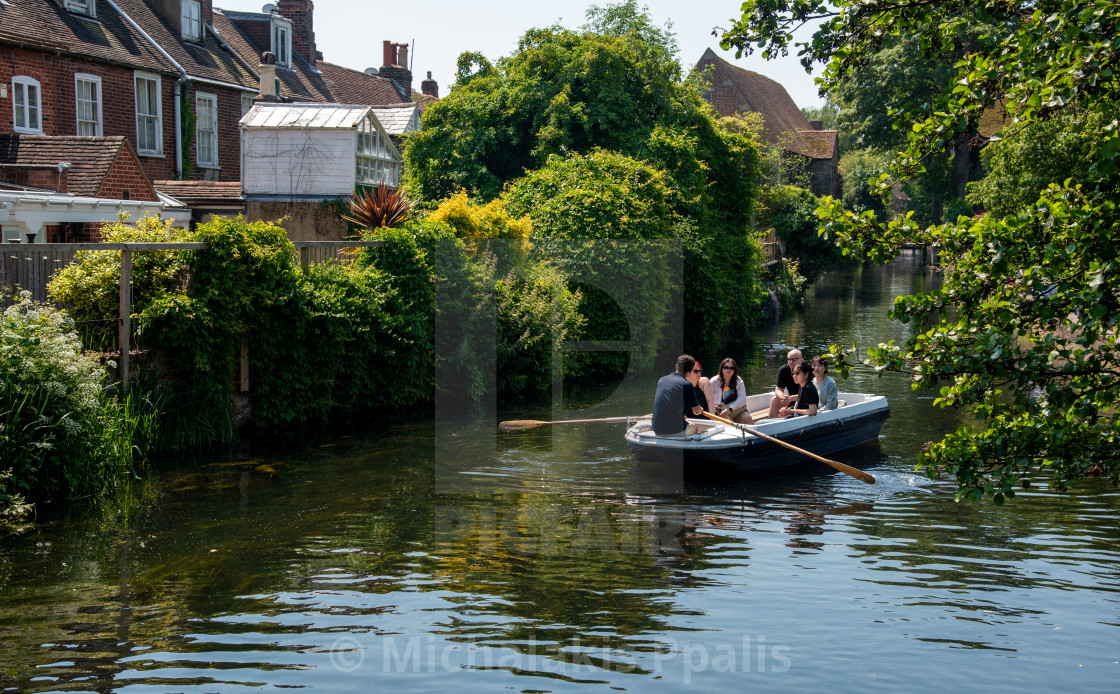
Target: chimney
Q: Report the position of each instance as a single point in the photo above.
(815, 125)
(430, 86)
(303, 29)
(267, 71)
(396, 69)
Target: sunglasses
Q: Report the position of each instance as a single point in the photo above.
(728, 368)
(793, 358)
(697, 371)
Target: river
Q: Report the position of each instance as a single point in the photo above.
(366, 564)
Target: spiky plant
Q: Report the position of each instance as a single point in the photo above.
(378, 207)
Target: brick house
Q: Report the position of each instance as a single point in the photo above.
(734, 91)
(152, 71)
(301, 74)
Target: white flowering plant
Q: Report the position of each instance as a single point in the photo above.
(55, 421)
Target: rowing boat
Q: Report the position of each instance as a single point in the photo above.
(721, 449)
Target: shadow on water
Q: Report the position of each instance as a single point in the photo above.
(536, 561)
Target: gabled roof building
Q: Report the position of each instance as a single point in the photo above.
(735, 91)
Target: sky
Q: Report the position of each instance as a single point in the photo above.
(350, 33)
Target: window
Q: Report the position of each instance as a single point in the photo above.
(27, 106)
(206, 129)
(375, 163)
(190, 26)
(87, 96)
(282, 41)
(85, 7)
(149, 128)
(246, 103)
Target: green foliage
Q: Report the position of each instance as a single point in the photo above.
(594, 217)
(90, 286)
(860, 167)
(58, 432)
(1019, 168)
(448, 309)
(791, 211)
(319, 343)
(1024, 329)
(614, 86)
(536, 312)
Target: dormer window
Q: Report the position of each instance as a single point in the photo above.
(282, 41)
(191, 23)
(84, 7)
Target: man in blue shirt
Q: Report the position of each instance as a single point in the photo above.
(676, 399)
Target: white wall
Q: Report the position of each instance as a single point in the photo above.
(297, 161)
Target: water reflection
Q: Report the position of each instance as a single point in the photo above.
(344, 568)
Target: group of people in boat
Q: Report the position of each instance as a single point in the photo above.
(801, 389)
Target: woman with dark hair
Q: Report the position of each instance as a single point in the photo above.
(826, 387)
(728, 393)
(807, 398)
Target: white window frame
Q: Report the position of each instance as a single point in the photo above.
(373, 160)
(206, 128)
(282, 41)
(85, 7)
(22, 84)
(94, 105)
(246, 103)
(190, 20)
(143, 117)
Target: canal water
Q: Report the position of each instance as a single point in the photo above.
(367, 565)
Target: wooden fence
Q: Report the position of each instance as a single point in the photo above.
(30, 266)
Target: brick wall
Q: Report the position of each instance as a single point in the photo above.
(303, 35)
(229, 135)
(118, 100)
(127, 181)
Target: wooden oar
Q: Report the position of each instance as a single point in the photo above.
(523, 424)
(846, 469)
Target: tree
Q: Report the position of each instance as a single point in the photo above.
(1024, 328)
(615, 85)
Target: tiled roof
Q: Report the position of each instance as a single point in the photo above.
(398, 120)
(735, 90)
(193, 191)
(815, 144)
(352, 87)
(90, 158)
(44, 25)
(325, 83)
(207, 59)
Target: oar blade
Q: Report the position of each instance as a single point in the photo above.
(520, 424)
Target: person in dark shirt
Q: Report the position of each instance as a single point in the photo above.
(675, 398)
(807, 398)
(786, 389)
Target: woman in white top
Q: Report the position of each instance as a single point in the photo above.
(826, 387)
(727, 394)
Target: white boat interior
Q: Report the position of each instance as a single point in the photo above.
(715, 434)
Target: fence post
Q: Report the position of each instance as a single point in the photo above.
(125, 338)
